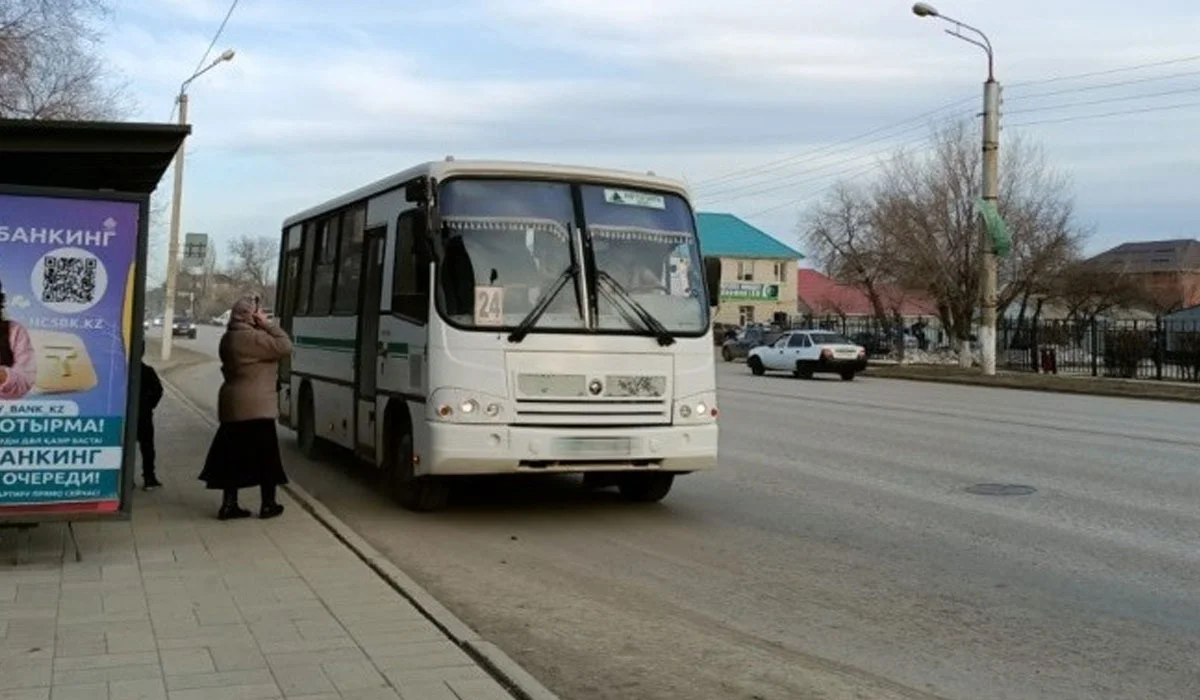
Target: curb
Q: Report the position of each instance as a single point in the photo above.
(501, 666)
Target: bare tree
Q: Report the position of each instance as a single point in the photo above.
(841, 232)
(1088, 290)
(252, 262)
(50, 67)
(926, 207)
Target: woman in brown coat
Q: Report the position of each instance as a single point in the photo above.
(245, 451)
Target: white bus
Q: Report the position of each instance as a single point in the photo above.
(465, 318)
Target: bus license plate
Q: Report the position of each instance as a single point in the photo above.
(595, 447)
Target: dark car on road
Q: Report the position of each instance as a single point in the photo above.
(746, 340)
(184, 328)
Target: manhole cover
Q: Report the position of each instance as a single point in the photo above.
(1000, 490)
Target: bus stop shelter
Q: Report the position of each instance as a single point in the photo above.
(74, 204)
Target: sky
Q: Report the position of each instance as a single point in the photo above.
(755, 104)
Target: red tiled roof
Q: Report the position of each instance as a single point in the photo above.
(825, 296)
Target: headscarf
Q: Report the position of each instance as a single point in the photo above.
(242, 313)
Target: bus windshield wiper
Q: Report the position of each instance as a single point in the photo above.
(518, 334)
(644, 317)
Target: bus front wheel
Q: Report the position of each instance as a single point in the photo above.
(646, 488)
(418, 493)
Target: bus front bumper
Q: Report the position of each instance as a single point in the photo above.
(465, 449)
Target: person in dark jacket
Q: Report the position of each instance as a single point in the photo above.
(150, 396)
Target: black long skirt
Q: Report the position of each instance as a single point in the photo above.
(244, 454)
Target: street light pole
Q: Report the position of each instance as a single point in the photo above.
(168, 325)
(991, 178)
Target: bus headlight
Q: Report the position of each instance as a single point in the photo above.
(466, 406)
(696, 409)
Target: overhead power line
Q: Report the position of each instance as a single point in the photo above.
(1082, 117)
(1105, 86)
(1089, 103)
(1110, 71)
(777, 165)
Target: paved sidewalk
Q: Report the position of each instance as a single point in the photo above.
(179, 606)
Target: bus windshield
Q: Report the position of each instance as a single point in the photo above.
(646, 243)
(506, 244)
(509, 243)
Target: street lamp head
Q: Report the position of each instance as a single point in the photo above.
(924, 9)
(227, 55)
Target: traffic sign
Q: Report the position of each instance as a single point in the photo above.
(195, 250)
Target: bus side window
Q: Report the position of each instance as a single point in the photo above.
(410, 280)
(328, 237)
(308, 247)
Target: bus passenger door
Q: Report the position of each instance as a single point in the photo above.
(370, 351)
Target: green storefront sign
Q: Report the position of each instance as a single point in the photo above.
(749, 291)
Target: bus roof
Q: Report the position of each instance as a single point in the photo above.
(443, 169)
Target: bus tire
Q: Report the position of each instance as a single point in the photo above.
(649, 487)
(306, 425)
(416, 493)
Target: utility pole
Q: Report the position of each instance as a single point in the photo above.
(176, 205)
(991, 179)
(173, 246)
(991, 193)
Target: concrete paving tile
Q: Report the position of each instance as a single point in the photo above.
(105, 675)
(220, 680)
(426, 690)
(459, 673)
(354, 675)
(105, 661)
(126, 642)
(302, 645)
(150, 689)
(237, 692)
(237, 657)
(24, 674)
(26, 694)
(93, 691)
(180, 662)
(382, 694)
(442, 658)
(315, 657)
(478, 689)
(304, 681)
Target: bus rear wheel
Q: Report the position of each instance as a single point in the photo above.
(306, 432)
(417, 493)
(646, 488)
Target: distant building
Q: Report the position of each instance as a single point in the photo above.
(758, 273)
(1169, 271)
(821, 296)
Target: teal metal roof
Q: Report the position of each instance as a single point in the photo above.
(727, 236)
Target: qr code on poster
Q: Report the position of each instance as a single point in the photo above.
(69, 280)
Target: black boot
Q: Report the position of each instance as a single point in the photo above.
(270, 508)
(229, 507)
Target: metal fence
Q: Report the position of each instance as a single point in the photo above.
(1159, 349)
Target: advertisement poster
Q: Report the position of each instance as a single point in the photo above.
(66, 276)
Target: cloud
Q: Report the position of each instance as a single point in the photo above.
(328, 96)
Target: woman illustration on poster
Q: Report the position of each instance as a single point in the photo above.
(18, 364)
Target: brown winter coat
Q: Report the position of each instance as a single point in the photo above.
(249, 362)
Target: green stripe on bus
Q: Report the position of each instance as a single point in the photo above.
(335, 344)
(344, 345)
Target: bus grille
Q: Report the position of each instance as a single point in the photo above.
(593, 412)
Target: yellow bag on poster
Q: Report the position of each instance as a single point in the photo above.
(63, 363)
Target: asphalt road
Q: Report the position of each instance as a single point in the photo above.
(836, 553)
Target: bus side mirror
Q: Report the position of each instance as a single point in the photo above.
(712, 275)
